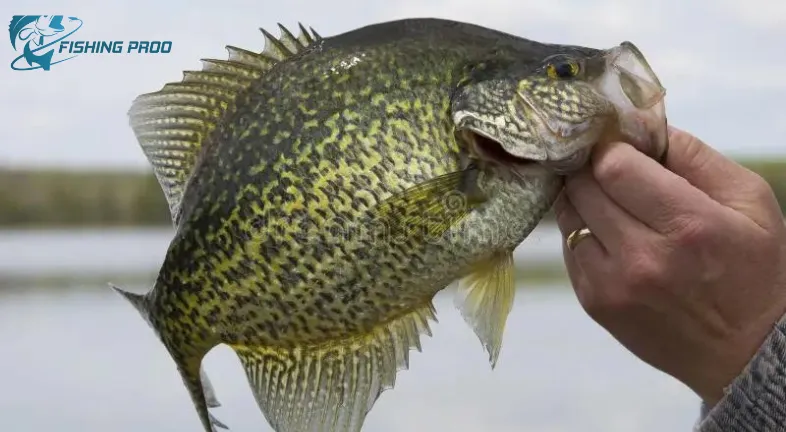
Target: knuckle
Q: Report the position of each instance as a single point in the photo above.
(606, 303)
(689, 231)
(609, 169)
(642, 271)
(761, 190)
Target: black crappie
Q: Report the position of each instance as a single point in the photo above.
(325, 189)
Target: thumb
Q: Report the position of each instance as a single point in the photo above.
(723, 179)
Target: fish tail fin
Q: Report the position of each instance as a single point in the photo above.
(189, 365)
(331, 387)
(46, 60)
(139, 301)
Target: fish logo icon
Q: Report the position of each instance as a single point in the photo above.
(35, 35)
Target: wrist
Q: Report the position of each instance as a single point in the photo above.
(756, 396)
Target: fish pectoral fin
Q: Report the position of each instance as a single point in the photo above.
(485, 298)
(331, 387)
(431, 207)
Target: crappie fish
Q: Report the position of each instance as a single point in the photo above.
(325, 189)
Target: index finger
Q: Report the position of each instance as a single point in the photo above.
(723, 179)
(705, 167)
(651, 193)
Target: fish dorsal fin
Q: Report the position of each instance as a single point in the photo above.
(172, 124)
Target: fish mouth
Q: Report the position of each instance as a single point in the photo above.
(486, 148)
(636, 93)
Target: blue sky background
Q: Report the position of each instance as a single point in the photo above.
(722, 62)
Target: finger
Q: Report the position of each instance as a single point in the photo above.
(609, 223)
(703, 166)
(723, 179)
(645, 189)
(568, 221)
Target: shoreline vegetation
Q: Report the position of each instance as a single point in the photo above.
(38, 198)
(525, 277)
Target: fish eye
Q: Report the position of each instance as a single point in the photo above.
(563, 69)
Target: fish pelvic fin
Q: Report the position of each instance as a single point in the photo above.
(172, 124)
(485, 299)
(188, 364)
(331, 387)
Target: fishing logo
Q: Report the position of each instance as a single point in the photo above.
(41, 40)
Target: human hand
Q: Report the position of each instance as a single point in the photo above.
(686, 266)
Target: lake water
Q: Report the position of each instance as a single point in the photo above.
(79, 358)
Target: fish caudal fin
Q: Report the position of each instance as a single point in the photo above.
(173, 123)
(485, 298)
(139, 301)
(194, 377)
(45, 60)
(332, 387)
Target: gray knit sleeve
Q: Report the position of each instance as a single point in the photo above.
(756, 400)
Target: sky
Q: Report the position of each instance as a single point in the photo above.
(721, 61)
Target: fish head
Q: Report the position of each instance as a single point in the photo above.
(552, 110)
(49, 25)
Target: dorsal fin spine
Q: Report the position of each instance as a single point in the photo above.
(171, 124)
(274, 47)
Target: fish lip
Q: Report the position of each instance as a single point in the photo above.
(638, 97)
(613, 61)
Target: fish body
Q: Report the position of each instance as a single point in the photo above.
(325, 189)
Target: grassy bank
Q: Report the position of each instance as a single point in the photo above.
(31, 198)
(525, 276)
(36, 198)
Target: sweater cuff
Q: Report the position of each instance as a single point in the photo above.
(756, 399)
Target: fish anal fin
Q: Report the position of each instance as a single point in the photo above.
(485, 299)
(207, 387)
(331, 387)
(201, 391)
(172, 124)
(432, 207)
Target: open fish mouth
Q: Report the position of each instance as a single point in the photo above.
(485, 147)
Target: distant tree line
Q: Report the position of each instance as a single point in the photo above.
(55, 198)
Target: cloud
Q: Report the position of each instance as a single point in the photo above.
(759, 14)
(717, 58)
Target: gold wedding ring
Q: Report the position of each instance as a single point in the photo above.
(576, 236)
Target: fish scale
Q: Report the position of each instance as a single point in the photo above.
(325, 189)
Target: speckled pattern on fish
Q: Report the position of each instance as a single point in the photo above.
(325, 189)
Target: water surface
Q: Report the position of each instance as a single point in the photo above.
(79, 358)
